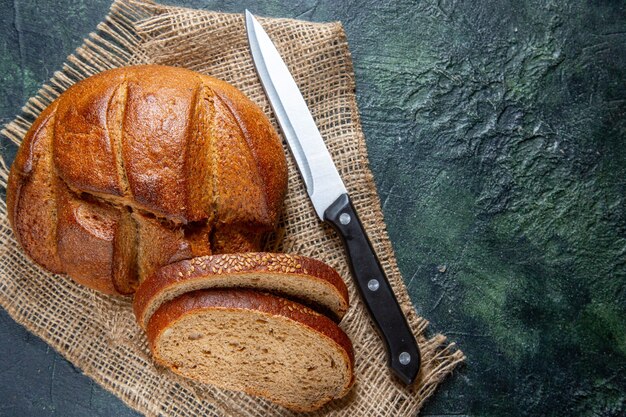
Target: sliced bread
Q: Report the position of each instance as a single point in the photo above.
(254, 342)
(308, 280)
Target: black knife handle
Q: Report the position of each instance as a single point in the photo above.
(402, 350)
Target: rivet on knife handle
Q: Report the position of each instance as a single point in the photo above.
(404, 355)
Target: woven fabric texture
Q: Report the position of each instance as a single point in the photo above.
(99, 335)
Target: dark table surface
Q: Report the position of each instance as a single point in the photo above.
(497, 137)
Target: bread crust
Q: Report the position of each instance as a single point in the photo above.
(170, 145)
(85, 234)
(197, 301)
(31, 193)
(203, 272)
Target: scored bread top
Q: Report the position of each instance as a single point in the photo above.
(188, 157)
(140, 134)
(308, 280)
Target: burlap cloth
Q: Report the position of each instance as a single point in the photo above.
(98, 334)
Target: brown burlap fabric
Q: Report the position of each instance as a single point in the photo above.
(98, 333)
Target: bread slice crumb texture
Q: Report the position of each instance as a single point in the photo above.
(254, 342)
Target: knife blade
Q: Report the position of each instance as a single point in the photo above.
(331, 201)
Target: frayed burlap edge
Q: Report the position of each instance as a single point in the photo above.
(138, 32)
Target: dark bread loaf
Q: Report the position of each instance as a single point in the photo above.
(253, 342)
(137, 167)
(162, 181)
(305, 279)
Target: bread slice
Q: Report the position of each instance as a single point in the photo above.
(254, 342)
(293, 276)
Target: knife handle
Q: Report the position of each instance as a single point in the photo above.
(402, 350)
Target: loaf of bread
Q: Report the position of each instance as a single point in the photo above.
(138, 167)
(253, 342)
(307, 280)
(161, 182)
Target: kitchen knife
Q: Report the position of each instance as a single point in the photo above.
(331, 201)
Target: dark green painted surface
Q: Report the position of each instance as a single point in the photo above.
(497, 137)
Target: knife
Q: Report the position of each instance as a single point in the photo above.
(332, 202)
